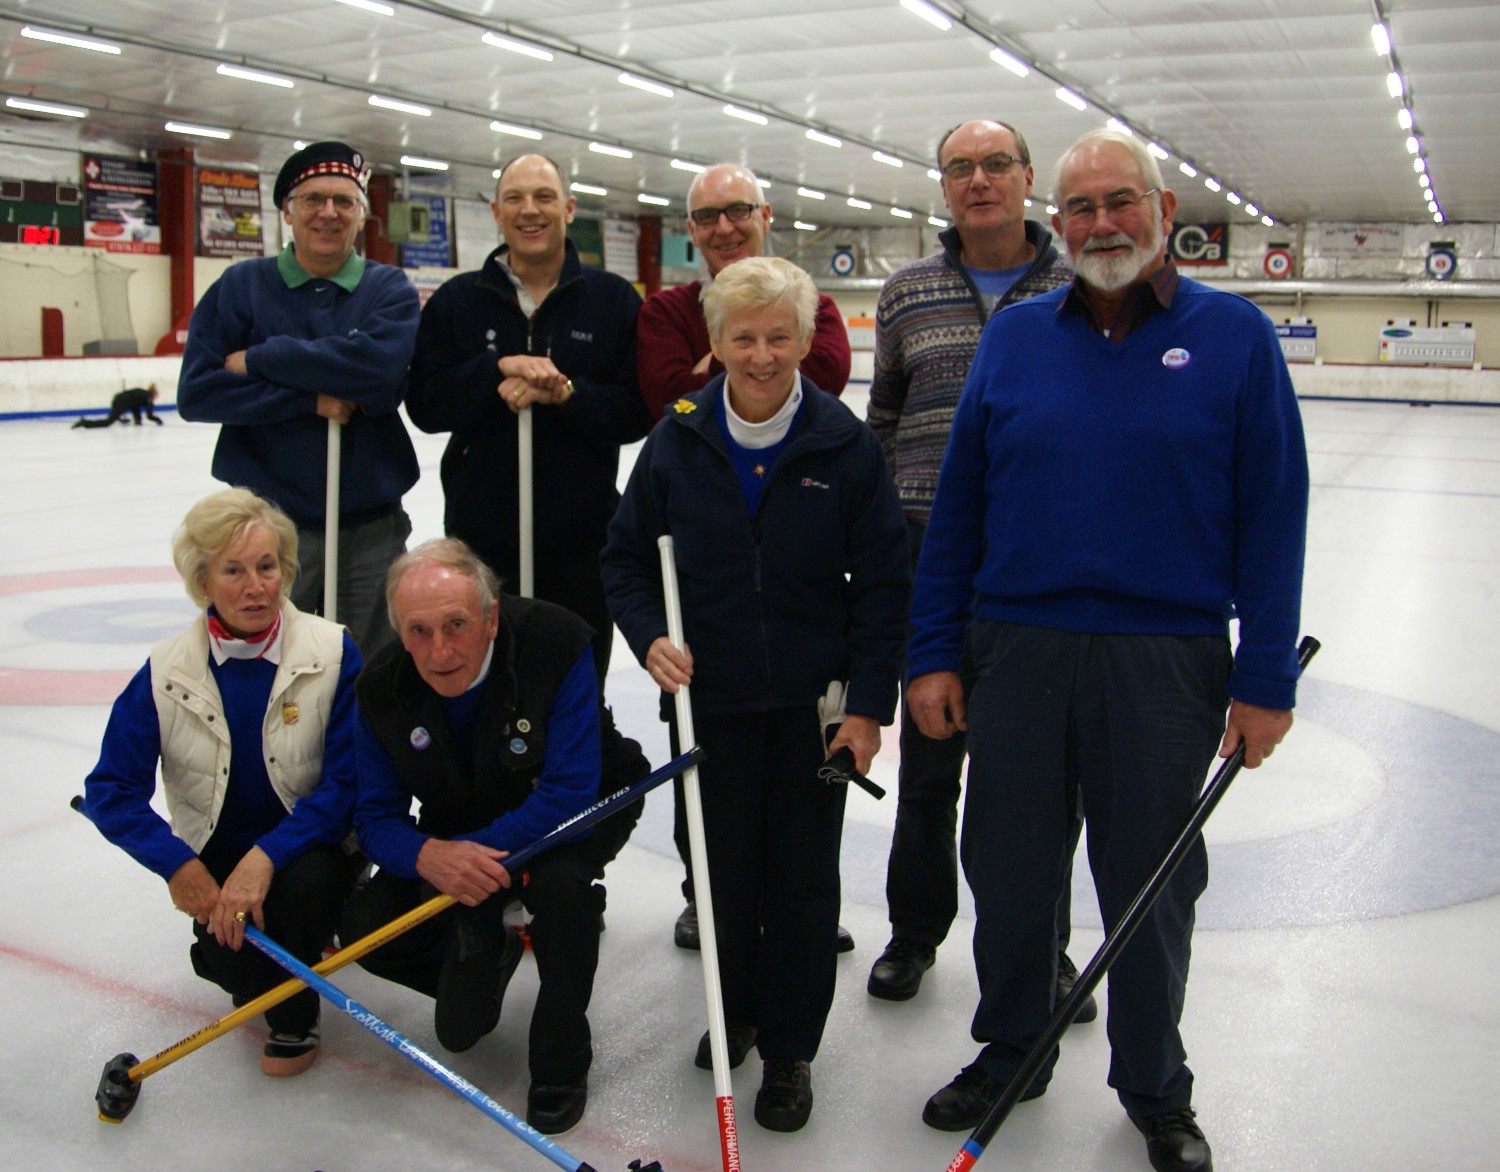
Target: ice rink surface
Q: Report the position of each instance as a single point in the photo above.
(1344, 1006)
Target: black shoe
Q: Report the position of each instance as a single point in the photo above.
(740, 1040)
(1174, 1142)
(76, 426)
(897, 975)
(471, 986)
(553, 1108)
(1067, 977)
(685, 931)
(964, 1102)
(287, 1055)
(846, 941)
(785, 1098)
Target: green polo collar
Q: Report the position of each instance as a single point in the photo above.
(295, 276)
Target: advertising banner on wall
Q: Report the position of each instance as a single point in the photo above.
(119, 205)
(434, 253)
(1358, 241)
(229, 213)
(1200, 244)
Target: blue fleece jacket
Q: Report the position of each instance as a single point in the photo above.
(350, 336)
(1157, 485)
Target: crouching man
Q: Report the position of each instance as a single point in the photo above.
(487, 713)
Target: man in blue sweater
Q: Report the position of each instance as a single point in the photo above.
(1126, 473)
(281, 344)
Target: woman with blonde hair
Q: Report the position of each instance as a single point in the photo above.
(250, 713)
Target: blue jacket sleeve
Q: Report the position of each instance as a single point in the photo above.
(206, 392)
(323, 817)
(117, 793)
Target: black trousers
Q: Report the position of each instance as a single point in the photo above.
(1129, 724)
(301, 913)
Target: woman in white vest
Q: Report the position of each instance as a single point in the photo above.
(250, 712)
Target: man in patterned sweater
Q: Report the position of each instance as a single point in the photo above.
(927, 326)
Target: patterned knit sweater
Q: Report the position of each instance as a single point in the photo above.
(927, 326)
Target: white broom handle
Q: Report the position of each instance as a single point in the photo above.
(331, 525)
(717, 1037)
(527, 486)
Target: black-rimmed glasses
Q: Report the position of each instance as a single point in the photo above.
(737, 213)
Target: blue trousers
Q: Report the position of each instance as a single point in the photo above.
(1129, 725)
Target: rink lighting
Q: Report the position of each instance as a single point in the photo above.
(902, 213)
(587, 189)
(1268, 222)
(1251, 210)
(747, 115)
(1158, 151)
(645, 85)
(1394, 85)
(198, 131)
(763, 184)
(684, 165)
(1068, 97)
(1380, 36)
(934, 174)
(810, 193)
(46, 108)
(517, 131)
(1014, 64)
(398, 104)
(57, 38)
(614, 152)
(1232, 197)
(888, 160)
(861, 204)
(1052, 209)
(1213, 184)
(1413, 147)
(803, 226)
(937, 221)
(1404, 118)
(826, 139)
(424, 164)
(1188, 169)
(1424, 180)
(654, 200)
(1437, 217)
(255, 75)
(928, 13)
(1119, 127)
(495, 40)
(1419, 164)
(371, 6)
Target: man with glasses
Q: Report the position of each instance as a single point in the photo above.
(1126, 473)
(927, 326)
(281, 344)
(727, 221)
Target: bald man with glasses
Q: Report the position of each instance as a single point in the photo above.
(728, 219)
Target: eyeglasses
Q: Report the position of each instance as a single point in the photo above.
(738, 213)
(995, 166)
(1115, 203)
(310, 202)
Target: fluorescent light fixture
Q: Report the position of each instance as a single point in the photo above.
(398, 104)
(1232, 197)
(1119, 128)
(1413, 147)
(1157, 151)
(587, 189)
(825, 139)
(495, 174)
(1437, 217)
(937, 221)
(69, 39)
(517, 131)
(646, 85)
(804, 226)
(861, 204)
(1051, 209)
(684, 165)
(1026, 203)
(614, 152)
(1251, 210)
(763, 184)
(1394, 85)
(928, 13)
(747, 115)
(46, 108)
(1213, 184)
(1188, 169)
(244, 74)
(497, 41)
(1068, 97)
(425, 164)
(371, 6)
(299, 145)
(810, 193)
(1404, 118)
(934, 174)
(1424, 180)
(653, 200)
(901, 213)
(1014, 64)
(1419, 164)
(888, 160)
(197, 131)
(1268, 222)
(1380, 36)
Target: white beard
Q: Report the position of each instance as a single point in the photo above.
(1109, 274)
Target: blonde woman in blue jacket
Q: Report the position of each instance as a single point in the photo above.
(250, 714)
